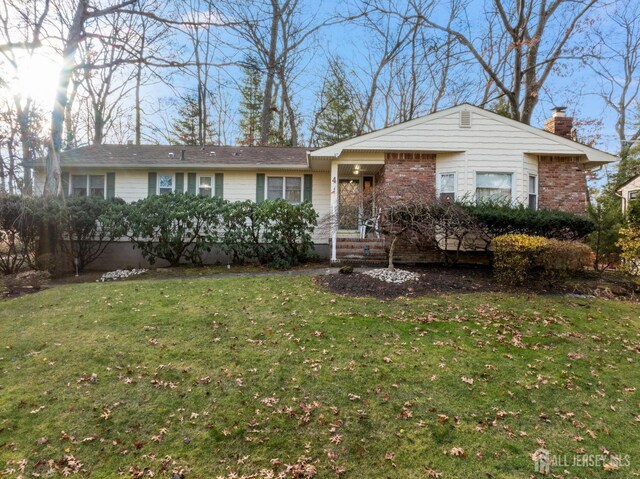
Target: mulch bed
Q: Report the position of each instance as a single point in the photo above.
(470, 279)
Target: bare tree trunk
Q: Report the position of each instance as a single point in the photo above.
(138, 106)
(291, 114)
(265, 119)
(52, 186)
(392, 250)
(3, 188)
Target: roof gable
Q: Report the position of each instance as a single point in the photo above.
(442, 131)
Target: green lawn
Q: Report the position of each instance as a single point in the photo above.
(260, 376)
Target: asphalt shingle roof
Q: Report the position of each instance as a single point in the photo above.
(131, 156)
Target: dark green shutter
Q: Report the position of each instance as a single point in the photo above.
(153, 181)
(191, 183)
(219, 185)
(259, 187)
(111, 185)
(308, 188)
(65, 183)
(179, 183)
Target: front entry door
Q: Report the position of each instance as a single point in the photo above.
(348, 204)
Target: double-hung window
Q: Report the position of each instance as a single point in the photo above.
(284, 187)
(533, 192)
(205, 186)
(635, 194)
(165, 184)
(496, 187)
(96, 186)
(87, 185)
(447, 187)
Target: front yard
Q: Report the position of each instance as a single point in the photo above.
(256, 377)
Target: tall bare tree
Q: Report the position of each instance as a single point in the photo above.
(277, 30)
(80, 13)
(393, 25)
(618, 68)
(21, 24)
(539, 33)
(105, 78)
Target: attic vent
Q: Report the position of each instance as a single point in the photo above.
(465, 119)
(171, 154)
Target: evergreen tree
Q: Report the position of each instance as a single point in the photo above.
(336, 119)
(186, 126)
(251, 103)
(501, 107)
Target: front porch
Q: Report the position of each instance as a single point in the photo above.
(353, 232)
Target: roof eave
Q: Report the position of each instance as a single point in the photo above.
(209, 166)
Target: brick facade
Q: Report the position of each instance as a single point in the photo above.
(562, 184)
(407, 170)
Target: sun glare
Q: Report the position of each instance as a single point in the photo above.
(36, 78)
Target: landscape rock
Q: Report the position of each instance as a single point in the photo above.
(121, 274)
(396, 276)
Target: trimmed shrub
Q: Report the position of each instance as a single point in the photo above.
(276, 233)
(515, 256)
(518, 257)
(89, 225)
(174, 227)
(560, 259)
(288, 235)
(499, 219)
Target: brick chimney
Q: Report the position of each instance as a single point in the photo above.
(560, 124)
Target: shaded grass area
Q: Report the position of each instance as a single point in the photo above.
(268, 376)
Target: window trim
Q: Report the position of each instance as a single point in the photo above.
(481, 172)
(636, 194)
(87, 184)
(439, 192)
(535, 192)
(212, 177)
(284, 187)
(173, 182)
